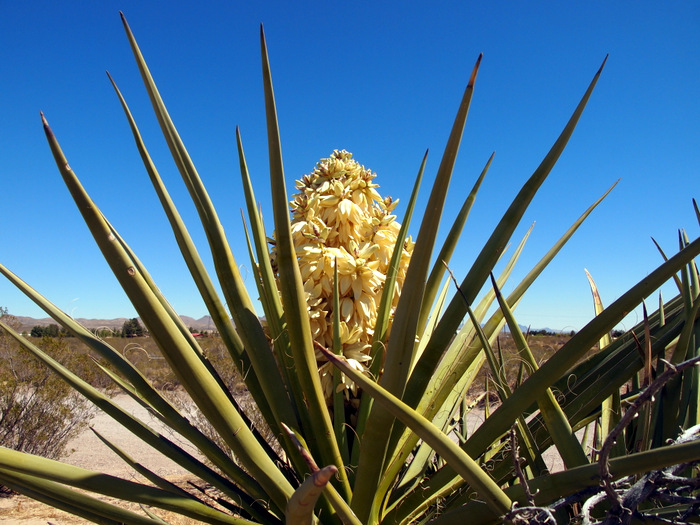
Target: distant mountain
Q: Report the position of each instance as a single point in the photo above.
(524, 329)
(556, 331)
(27, 323)
(203, 323)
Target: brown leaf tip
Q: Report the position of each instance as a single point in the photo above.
(323, 476)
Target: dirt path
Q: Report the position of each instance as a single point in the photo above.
(89, 452)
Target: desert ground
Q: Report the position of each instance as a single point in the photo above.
(90, 453)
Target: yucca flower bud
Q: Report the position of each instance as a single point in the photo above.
(338, 217)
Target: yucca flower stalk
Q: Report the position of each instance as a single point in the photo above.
(340, 221)
(358, 315)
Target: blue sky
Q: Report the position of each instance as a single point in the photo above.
(380, 79)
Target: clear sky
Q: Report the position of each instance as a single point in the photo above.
(380, 79)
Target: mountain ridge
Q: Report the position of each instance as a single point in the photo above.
(27, 323)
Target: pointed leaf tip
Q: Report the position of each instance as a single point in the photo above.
(472, 79)
(125, 23)
(496, 289)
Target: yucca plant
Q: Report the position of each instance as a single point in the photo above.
(361, 367)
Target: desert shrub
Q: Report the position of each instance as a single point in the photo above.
(39, 412)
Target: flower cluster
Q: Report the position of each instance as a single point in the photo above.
(338, 217)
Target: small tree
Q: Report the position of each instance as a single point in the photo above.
(132, 328)
(52, 330)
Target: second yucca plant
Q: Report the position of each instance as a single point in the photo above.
(364, 361)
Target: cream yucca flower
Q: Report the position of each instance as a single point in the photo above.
(338, 215)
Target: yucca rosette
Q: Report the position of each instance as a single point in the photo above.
(338, 217)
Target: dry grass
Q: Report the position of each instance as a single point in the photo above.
(146, 356)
